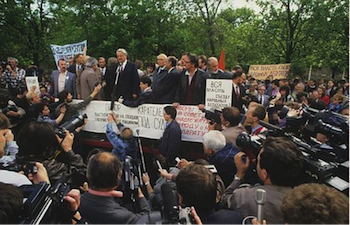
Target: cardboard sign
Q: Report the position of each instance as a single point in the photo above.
(218, 94)
(261, 72)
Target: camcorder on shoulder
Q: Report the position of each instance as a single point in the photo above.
(44, 204)
(324, 165)
(213, 116)
(71, 125)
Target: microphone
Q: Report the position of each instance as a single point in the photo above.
(260, 198)
(138, 132)
(171, 208)
(127, 170)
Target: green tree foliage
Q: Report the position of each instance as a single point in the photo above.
(303, 32)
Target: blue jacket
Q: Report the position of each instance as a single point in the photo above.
(224, 162)
(170, 143)
(121, 148)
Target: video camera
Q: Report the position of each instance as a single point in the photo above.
(17, 166)
(322, 165)
(3, 64)
(213, 116)
(9, 108)
(44, 204)
(171, 212)
(71, 125)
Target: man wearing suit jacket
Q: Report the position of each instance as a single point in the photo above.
(214, 72)
(168, 85)
(238, 91)
(63, 80)
(125, 78)
(191, 88)
(89, 79)
(77, 68)
(261, 97)
(170, 143)
(159, 76)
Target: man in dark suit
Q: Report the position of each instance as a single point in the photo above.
(168, 85)
(77, 68)
(159, 76)
(214, 72)
(125, 78)
(146, 93)
(191, 88)
(170, 143)
(261, 97)
(63, 80)
(238, 91)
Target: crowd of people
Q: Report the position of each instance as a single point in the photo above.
(28, 133)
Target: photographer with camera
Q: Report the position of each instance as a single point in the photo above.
(73, 108)
(37, 142)
(11, 110)
(124, 144)
(197, 186)
(279, 166)
(13, 76)
(230, 119)
(44, 114)
(101, 204)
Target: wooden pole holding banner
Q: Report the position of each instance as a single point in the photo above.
(310, 70)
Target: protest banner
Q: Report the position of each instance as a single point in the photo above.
(67, 51)
(218, 94)
(261, 72)
(33, 81)
(147, 118)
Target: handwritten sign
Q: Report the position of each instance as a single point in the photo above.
(218, 94)
(261, 72)
(147, 118)
(33, 81)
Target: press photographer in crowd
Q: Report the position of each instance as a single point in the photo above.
(196, 186)
(102, 204)
(37, 141)
(11, 110)
(280, 164)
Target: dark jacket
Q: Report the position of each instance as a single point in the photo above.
(224, 162)
(237, 101)
(166, 89)
(170, 143)
(128, 81)
(146, 97)
(199, 95)
(220, 75)
(67, 165)
(72, 109)
(222, 216)
(106, 210)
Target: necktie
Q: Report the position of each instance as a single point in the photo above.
(237, 92)
(120, 68)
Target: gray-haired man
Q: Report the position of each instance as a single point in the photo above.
(90, 78)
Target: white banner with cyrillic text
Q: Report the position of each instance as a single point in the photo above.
(147, 118)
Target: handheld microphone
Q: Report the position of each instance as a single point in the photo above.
(171, 208)
(127, 170)
(138, 132)
(260, 198)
